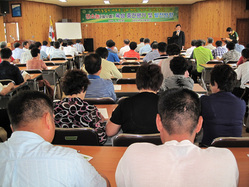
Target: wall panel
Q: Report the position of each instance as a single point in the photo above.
(2, 38)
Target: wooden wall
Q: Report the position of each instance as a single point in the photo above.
(2, 37)
(34, 23)
(101, 32)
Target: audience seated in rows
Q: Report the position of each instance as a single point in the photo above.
(72, 111)
(99, 87)
(79, 46)
(178, 162)
(219, 51)
(70, 49)
(180, 79)
(162, 46)
(222, 111)
(125, 48)
(36, 62)
(232, 54)
(210, 44)
(132, 52)
(141, 44)
(112, 56)
(190, 50)
(146, 48)
(29, 159)
(172, 50)
(137, 114)
(152, 54)
(57, 53)
(43, 55)
(108, 69)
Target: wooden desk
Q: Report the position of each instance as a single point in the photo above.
(121, 66)
(49, 68)
(126, 90)
(129, 75)
(109, 108)
(198, 89)
(211, 66)
(105, 160)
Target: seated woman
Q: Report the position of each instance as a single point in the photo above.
(222, 111)
(137, 114)
(180, 79)
(36, 62)
(72, 111)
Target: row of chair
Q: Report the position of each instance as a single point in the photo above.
(87, 136)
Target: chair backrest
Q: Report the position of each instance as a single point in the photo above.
(54, 59)
(20, 65)
(76, 136)
(130, 58)
(49, 63)
(69, 56)
(32, 71)
(126, 81)
(231, 142)
(130, 63)
(124, 140)
(129, 69)
(215, 62)
(103, 100)
(232, 62)
(144, 54)
(5, 81)
(116, 63)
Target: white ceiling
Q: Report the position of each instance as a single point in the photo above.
(115, 2)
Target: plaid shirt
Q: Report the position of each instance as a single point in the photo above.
(219, 51)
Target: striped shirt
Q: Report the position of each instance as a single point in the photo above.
(219, 51)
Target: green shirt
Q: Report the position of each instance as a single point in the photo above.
(202, 56)
(234, 36)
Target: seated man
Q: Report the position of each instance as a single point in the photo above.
(99, 87)
(180, 79)
(57, 53)
(43, 55)
(4, 45)
(9, 71)
(70, 49)
(177, 162)
(132, 52)
(152, 54)
(125, 48)
(210, 44)
(44, 46)
(141, 44)
(146, 48)
(108, 69)
(162, 46)
(36, 62)
(232, 54)
(29, 159)
(222, 111)
(190, 50)
(17, 52)
(112, 56)
(79, 46)
(219, 51)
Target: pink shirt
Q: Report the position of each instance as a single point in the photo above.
(132, 53)
(240, 61)
(36, 64)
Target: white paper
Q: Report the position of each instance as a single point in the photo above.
(103, 111)
(50, 67)
(117, 87)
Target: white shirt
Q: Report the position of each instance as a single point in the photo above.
(243, 74)
(79, 47)
(176, 164)
(190, 50)
(44, 48)
(28, 160)
(69, 50)
(123, 50)
(17, 52)
(25, 56)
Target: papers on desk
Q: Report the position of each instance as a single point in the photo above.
(103, 111)
(117, 87)
(88, 158)
(50, 67)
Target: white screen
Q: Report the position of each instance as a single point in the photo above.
(68, 30)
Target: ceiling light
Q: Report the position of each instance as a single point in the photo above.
(107, 2)
(145, 1)
(64, 1)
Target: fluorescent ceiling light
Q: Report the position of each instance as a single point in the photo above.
(64, 1)
(107, 2)
(145, 1)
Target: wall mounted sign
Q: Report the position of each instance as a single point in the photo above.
(16, 10)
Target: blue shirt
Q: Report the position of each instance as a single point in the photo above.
(28, 160)
(223, 115)
(112, 56)
(43, 55)
(151, 56)
(100, 88)
(239, 47)
(219, 51)
(145, 49)
(57, 53)
(80, 48)
(16, 53)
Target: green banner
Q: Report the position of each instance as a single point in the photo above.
(118, 15)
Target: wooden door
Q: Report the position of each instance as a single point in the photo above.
(243, 31)
(11, 32)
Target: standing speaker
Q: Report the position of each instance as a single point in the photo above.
(4, 7)
(88, 44)
(247, 4)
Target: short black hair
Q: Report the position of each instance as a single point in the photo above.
(245, 53)
(60, 40)
(126, 41)
(102, 52)
(133, 45)
(52, 43)
(173, 49)
(35, 51)
(64, 44)
(178, 65)
(110, 43)
(78, 41)
(74, 82)
(178, 25)
(57, 45)
(17, 44)
(146, 40)
(69, 43)
(218, 43)
(44, 43)
(31, 105)
(25, 43)
(38, 44)
(230, 45)
(92, 63)
(3, 45)
(154, 46)
(141, 40)
(198, 43)
(224, 76)
(210, 40)
(5, 53)
(229, 29)
(193, 42)
(31, 46)
(149, 76)
(179, 110)
(162, 46)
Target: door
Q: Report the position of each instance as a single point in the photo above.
(242, 29)
(12, 32)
